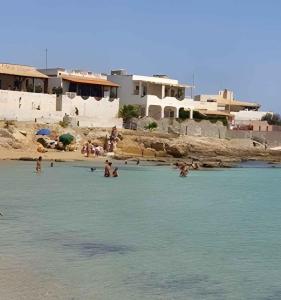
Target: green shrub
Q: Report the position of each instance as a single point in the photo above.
(151, 126)
(184, 114)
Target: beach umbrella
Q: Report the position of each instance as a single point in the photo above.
(43, 131)
(66, 138)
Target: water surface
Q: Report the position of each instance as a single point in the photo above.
(148, 234)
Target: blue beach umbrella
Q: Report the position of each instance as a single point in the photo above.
(43, 131)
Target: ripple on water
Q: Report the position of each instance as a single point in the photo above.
(196, 285)
(90, 249)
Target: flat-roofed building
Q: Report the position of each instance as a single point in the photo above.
(158, 95)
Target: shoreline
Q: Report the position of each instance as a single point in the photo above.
(19, 142)
(76, 156)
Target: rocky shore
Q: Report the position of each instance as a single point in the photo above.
(18, 141)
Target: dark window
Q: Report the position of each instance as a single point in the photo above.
(86, 90)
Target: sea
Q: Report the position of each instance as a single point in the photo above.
(148, 234)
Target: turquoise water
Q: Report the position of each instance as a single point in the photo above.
(148, 234)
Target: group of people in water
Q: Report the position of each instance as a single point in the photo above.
(184, 167)
(110, 171)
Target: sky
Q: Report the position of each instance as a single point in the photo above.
(234, 44)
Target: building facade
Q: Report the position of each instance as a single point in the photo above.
(158, 95)
(46, 96)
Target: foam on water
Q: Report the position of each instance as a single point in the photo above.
(147, 234)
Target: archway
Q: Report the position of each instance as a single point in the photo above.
(155, 112)
(184, 114)
(170, 112)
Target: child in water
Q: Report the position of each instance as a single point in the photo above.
(115, 172)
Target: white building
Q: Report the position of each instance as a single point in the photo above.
(225, 101)
(158, 95)
(88, 98)
(46, 96)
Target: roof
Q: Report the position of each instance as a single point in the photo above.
(159, 80)
(237, 103)
(89, 80)
(20, 70)
(214, 113)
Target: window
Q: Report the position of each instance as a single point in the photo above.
(144, 91)
(113, 92)
(137, 90)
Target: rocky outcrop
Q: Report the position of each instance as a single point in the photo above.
(177, 150)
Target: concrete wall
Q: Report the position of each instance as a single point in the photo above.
(23, 106)
(54, 82)
(250, 115)
(126, 89)
(90, 107)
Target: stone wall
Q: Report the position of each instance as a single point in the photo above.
(204, 128)
(273, 138)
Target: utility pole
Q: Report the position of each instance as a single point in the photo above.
(192, 85)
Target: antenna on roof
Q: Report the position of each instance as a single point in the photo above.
(46, 59)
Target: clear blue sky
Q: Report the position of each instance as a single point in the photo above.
(227, 44)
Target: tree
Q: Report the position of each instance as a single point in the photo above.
(272, 119)
(127, 112)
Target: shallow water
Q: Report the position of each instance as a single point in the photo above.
(148, 234)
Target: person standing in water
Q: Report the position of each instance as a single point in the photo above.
(183, 170)
(107, 169)
(39, 164)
